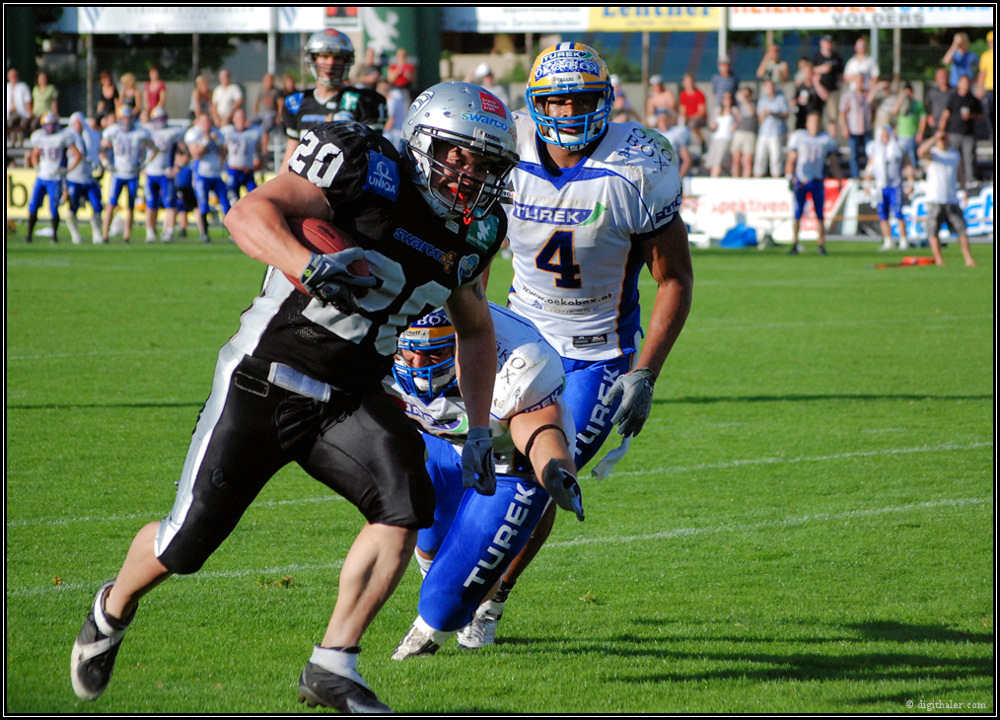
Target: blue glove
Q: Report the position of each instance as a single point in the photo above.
(477, 461)
(327, 279)
(636, 392)
(563, 488)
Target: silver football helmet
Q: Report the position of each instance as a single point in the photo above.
(330, 42)
(469, 117)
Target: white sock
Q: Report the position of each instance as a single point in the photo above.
(339, 662)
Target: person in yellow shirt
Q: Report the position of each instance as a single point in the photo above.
(984, 83)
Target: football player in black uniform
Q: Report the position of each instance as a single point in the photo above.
(331, 55)
(301, 381)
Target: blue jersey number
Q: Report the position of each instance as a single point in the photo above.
(560, 248)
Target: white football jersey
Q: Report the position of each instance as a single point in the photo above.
(576, 237)
(209, 165)
(166, 140)
(129, 147)
(529, 377)
(241, 145)
(52, 157)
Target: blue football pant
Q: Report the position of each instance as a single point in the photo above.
(475, 536)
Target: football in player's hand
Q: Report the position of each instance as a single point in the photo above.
(322, 237)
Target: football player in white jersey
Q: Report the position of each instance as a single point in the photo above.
(80, 180)
(51, 151)
(132, 147)
(243, 146)
(207, 148)
(161, 188)
(593, 203)
(474, 536)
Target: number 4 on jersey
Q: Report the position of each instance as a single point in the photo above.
(560, 247)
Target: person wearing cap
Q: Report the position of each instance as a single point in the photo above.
(483, 76)
(621, 106)
(829, 67)
(661, 101)
(724, 81)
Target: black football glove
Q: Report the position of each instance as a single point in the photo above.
(477, 461)
(563, 488)
(327, 279)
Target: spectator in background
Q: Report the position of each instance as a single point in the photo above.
(154, 93)
(863, 64)
(131, 95)
(772, 113)
(911, 121)
(44, 97)
(20, 113)
(483, 76)
(805, 168)
(810, 94)
(722, 125)
(885, 169)
(745, 135)
(396, 110)
(772, 67)
(959, 60)
(856, 121)
(959, 120)
(287, 90)
(621, 107)
(936, 98)
(942, 195)
(201, 98)
(227, 97)
(693, 106)
(984, 82)
(675, 129)
(661, 101)
(829, 68)
(107, 101)
(402, 74)
(724, 81)
(265, 106)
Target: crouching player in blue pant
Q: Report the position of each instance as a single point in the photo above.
(474, 536)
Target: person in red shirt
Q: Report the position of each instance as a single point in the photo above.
(693, 101)
(402, 73)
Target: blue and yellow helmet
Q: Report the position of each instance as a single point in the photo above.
(432, 335)
(566, 69)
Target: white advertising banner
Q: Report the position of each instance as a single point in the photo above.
(808, 17)
(181, 19)
(515, 19)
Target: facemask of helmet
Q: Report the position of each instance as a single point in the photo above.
(50, 122)
(568, 69)
(434, 334)
(337, 44)
(468, 117)
(158, 117)
(126, 117)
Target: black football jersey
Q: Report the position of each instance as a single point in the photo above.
(303, 110)
(419, 258)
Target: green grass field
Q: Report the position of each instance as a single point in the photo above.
(805, 525)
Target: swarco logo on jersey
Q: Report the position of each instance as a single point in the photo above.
(447, 259)
(383, 176)
(557, 216)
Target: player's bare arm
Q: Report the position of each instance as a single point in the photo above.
(669, 260)
(476, 350)
(257, 221)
